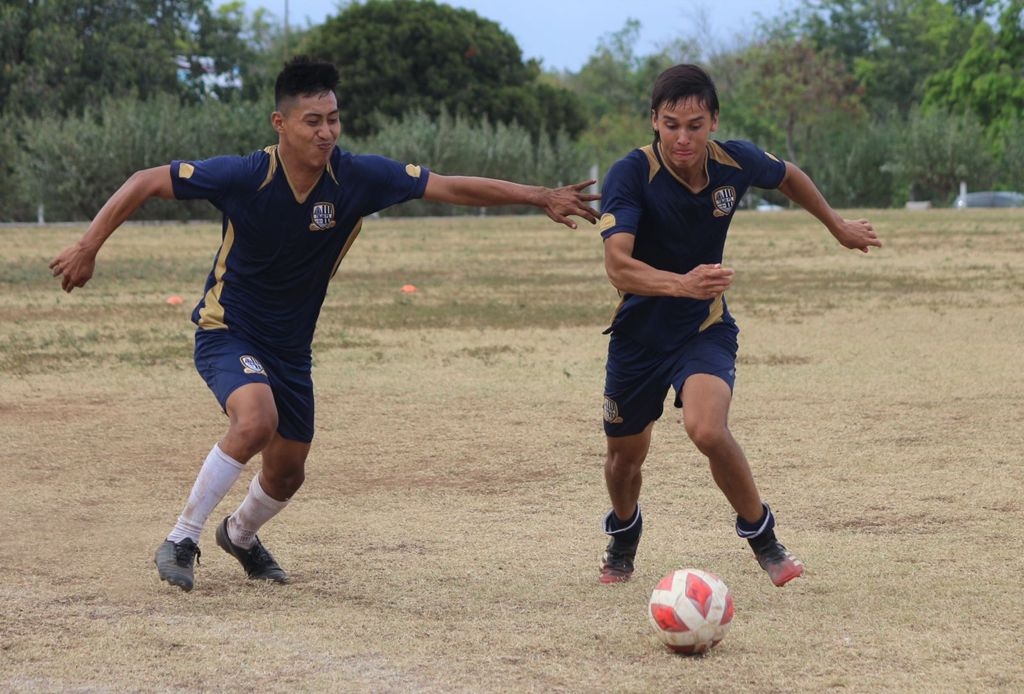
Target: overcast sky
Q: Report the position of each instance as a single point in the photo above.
(564, 33)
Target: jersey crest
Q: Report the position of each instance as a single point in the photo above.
(250, 364)
(724, 199)
(323, 217)
(611, 411)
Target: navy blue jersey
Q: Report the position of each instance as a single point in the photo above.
(677, 229)
(278, 252)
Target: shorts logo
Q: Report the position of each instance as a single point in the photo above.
(323, 217)
(611, 411)
(724, 199)
(251, 365)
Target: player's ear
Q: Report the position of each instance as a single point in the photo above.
(714, 122)
(277, 121)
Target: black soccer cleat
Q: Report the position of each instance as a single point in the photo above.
(174, 562)
(617, 562)
(779, 562)
(256, 560)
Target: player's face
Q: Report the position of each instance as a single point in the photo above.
(684, 128)
(308, 127)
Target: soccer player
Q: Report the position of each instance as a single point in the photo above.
(290, 214)
(665, 212)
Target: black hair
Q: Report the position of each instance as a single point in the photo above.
(681, 82)
(304, 76)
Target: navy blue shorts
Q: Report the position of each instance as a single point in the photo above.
(637, 378)
(227, 362)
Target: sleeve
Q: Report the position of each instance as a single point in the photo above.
(766, 170)
(622, 198)
(210, 179)
(387, 182)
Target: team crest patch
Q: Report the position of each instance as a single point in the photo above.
(724, 199)
(251, 365)
(413, 170)
(323, 217)
(611, 411)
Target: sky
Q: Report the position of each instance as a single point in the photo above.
(563, 34)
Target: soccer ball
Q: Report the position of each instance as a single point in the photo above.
(691, 610)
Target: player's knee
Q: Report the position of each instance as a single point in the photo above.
(707, 437)
(255, 428)
(623, 462)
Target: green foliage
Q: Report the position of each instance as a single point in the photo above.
(615, 85)
(891, 46)
(61, 56)
(936, 151)
(849, 162)
(988, 80)
(402, 56)
(457, 145)
(1006, 138)
(797, 87)
(72, 165)
(880, 100)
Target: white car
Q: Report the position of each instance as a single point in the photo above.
(989, 198)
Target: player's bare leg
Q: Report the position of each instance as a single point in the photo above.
(624, 523)
(706, 401)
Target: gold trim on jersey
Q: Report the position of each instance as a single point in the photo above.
(348, 244)
(272, 168)
(715, 151)
(211, 315)
(275, 159)
(652, 161)
(715, 311)
(718, 153)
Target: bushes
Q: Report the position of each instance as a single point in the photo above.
(454, 145)
(72, 165)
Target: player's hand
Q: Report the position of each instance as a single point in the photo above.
(857, 233)
(74, 265)
(708, 281)
(562, 202)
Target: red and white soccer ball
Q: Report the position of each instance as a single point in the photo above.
(691, 610)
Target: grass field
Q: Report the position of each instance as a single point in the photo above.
(448, 535)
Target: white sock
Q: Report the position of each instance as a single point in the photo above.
(218, 473)
(256, 509)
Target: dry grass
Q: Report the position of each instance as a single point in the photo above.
(448, 534)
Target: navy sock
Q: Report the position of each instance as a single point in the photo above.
(760, 534)
(626, 532)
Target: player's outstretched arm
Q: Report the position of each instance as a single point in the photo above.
(76, 263)
(851, 233)
(558, 203)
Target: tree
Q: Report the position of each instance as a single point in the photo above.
(891, 47)
(798, 88)
(615, 84)
(989, 79)
(937, 151)
(402, 56)
(61, 56)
